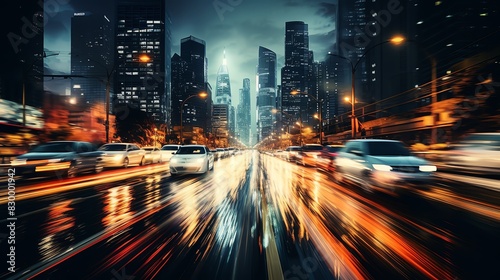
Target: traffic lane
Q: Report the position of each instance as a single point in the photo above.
(197, 224)
(414, 233)
(54, 216)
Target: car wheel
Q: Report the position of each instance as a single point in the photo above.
(125, 163)
(338, 175)
(367, 183)
(98, 168)
(71, 172)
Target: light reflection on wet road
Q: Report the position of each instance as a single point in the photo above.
(253, 217)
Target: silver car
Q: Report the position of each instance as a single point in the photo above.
(381, 164)
(122, 155)
(193, 159)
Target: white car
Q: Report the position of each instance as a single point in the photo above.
(167, 151)
(153, 154)
(381, 164)
(122, 155)
(192, 159)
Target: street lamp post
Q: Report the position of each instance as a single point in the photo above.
(202, 95)
(320, 111)
(395, 40)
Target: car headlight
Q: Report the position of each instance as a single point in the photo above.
(173, 160)
(200, 160)
(427, 168)
(55, 160)
(18, 162)
(382, 167)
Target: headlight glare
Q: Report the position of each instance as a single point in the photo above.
(427, 168)
(382, 167)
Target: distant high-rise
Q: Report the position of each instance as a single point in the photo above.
(266, 92)
(243, 114)
(142, 55)
(91, 56)
(295, 73)
(223, 84)
(223, 93)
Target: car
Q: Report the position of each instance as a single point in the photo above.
(290, 153)
(60, 158)
(167, 151)
(122, 155)
(153, 154)
(476, 153)
(220, 153)
(192, 159)
(326, 158)
(308, 154)
(380, 164)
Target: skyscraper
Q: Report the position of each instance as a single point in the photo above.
(223, 93)
(91, 56)
(295, 73)
(266, 92)
(243, 114)
(189, 78)
(142, 52)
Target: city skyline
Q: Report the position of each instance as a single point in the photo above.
(238, 27)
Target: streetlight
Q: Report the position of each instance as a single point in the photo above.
(300, 132)
(396, 41)
(320, 118)
(201, 95)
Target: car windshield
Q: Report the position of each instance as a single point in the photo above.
(191, 150)
(113, 147)
(295, 149)
(387, 149)
(333, 149)
(60, 147)
(149, 149)
(170, 148)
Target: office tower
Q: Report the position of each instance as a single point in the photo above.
(295, 73)
(142, 52)
(189, 78)
(91, 57)
(266, 92)
(223, 93)
(244, 121)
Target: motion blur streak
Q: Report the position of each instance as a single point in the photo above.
(53, 187)
(361, 221)
(333, 252)
(479, 207)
